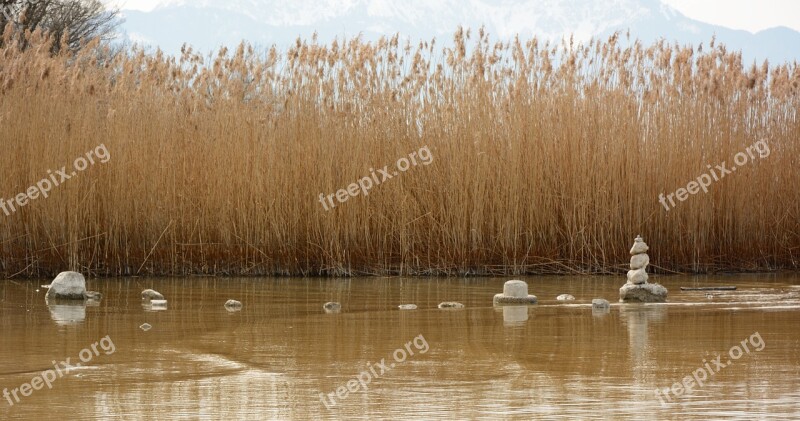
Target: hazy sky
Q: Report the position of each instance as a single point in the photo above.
(752, 15)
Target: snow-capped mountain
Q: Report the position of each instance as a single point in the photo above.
(207, 24)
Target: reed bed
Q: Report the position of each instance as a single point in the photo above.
(547, 158)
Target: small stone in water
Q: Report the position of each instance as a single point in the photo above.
(565, 297)
(158, 304)
(145, 327)
(332, 307)
(150, 294)
(233, 305)
(407, 306)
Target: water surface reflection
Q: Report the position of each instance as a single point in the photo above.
(272, 359)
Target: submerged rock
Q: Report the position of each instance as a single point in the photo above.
(67, 286)
(332, 307)
(600, 303)
(514, 292)
(644, 293)
(407, 306)
(158, 304)
(565, 297)
(233, 305)
(92, 295)
(451, 304)
(150, 295)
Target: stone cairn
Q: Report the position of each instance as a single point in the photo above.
(639, 261)
(637, 289)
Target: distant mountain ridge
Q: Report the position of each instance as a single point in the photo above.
(208, 24)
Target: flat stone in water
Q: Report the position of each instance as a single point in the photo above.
(407, 306)
(565, 297)
(158, 304)
(150, 294)
(92, 295)
(451, 304)
(233, 305)
(645, 293)
(332, 307)
(503, 299)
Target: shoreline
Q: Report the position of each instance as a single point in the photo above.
(421, 275)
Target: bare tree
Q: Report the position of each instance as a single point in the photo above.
(70, 22)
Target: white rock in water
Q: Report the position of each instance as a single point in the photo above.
(158, 304)
(450, 304)
(332, 307)
(67, 285)
(646, 293)
(93, 295)
(640, 261)
(515, 288)
(639, 246)
(638, 276)
(407, 306)
(514, 292)
(565, 297)
(600, 303)
(150, 294)
(233, 305)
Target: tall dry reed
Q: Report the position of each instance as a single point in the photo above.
(548, 158)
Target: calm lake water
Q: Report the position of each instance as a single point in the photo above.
(275, 357)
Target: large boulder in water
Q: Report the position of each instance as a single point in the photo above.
(67, 286)
(644, 293)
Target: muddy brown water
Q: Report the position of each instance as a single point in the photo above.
(282, 357)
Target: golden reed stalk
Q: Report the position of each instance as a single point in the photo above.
(548, 158)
